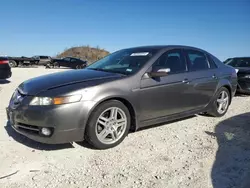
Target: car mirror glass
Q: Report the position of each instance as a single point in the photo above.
(160, 73)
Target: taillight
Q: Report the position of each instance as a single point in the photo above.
(4, 62)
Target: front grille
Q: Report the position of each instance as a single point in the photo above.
(242, 74)
(28, 128)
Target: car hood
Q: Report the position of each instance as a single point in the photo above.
(243, 69)
(42, 83)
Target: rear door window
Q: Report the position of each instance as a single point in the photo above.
(66, 59)
(73, 60)
(197, 60)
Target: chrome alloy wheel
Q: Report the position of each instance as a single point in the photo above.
(222, 102)
(111, 125)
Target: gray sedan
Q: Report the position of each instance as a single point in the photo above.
(127, 90)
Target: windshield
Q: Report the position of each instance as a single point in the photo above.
(227, 60)
(244, 62)
(127, 61)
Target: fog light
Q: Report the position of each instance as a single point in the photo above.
(46, 131)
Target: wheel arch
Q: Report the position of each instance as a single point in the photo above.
(126, 102)
(227, 85)
(230, 92)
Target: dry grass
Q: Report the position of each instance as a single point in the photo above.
(85, 53)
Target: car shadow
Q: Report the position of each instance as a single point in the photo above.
(3, 81)
(241, 95)
(232, 164)
(85, 144)
(33, 144)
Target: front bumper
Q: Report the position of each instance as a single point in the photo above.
(67, 122)
(243, 85)
(5, 73)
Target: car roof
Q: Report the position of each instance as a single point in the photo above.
(41, 56)
(160, 47)
(239, 58)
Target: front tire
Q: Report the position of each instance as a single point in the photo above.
(221, 103)
(108, 125)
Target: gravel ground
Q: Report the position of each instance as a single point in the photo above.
(195, 152)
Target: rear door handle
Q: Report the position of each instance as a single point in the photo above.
(186, 81)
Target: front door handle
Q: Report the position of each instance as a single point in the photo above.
(214, 76)
(185, 81)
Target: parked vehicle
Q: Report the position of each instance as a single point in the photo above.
(242, 66)
(5, 70)
(70, 62)
(16, 61)
(227, 60)
(43, 60)
(127, 90)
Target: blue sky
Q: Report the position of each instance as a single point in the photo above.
(46, 27)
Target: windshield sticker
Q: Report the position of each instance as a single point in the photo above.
(140, 54)
(236, 70)
(129, 70)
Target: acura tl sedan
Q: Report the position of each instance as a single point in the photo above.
(127, 90)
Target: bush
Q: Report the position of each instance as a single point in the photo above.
(87, 53)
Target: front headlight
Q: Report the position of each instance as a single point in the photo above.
(247, 76)
(43, 101)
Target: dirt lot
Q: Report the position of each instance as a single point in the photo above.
(199, 152)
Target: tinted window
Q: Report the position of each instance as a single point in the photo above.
(66, 59)
(44, 57)
(126, 61)
(239, 62)
(197, 60)
(172, 60)
(227, 60)
(211, 62)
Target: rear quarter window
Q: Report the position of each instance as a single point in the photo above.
(211, 62)
(217, 62)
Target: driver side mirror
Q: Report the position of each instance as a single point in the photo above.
(159, 73)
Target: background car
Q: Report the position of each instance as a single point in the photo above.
(227, 60)
(22, 61)
(42, 60)
(242, 66)
(5, 70)
(127, 90)
(70, 62)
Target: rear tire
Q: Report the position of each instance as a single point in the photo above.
(78, 67)
(12, 63)
(105, 130)
(220, 103)
(56, 64)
